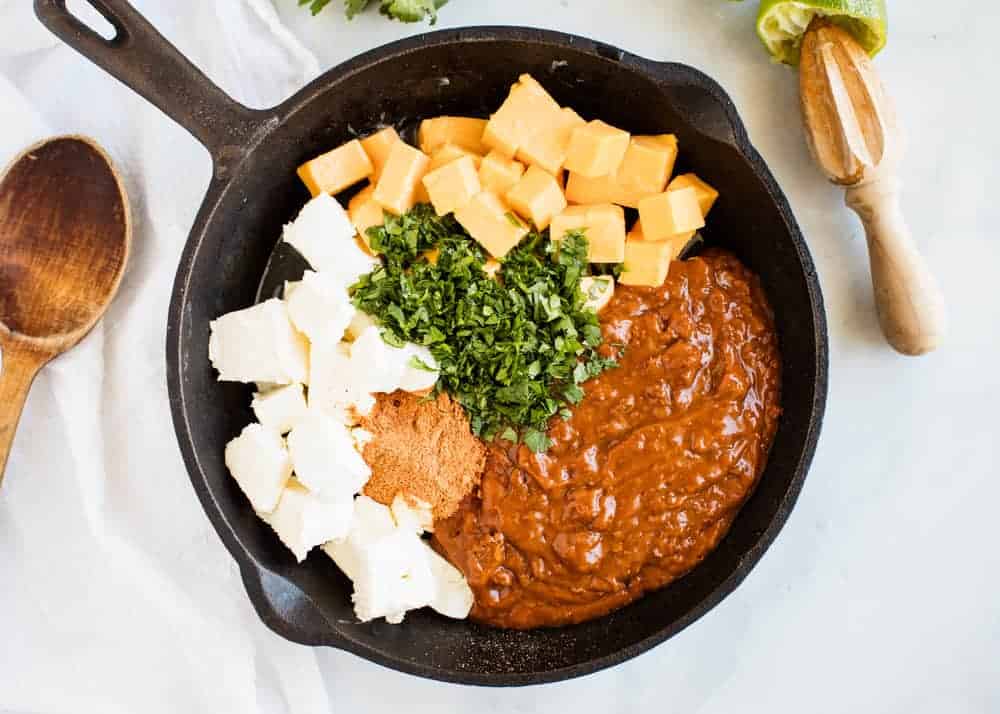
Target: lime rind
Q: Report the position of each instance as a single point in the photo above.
(781, 24)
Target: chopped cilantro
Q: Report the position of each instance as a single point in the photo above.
(512, 351)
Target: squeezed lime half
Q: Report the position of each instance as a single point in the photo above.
(782, 23)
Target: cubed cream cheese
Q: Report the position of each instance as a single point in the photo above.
(324, 457)
(411, 513)
(370, 521)
(452, 595)
(320, 308)
(302, 520)
(324, 235)
(258, 344)
(384, 368)
(394, 576)
(337, 384)
(261, 465)
(281, 408)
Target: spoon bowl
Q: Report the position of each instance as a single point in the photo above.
(65, 234)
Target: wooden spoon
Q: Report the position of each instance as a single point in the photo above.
(65, 234)
(852, 130)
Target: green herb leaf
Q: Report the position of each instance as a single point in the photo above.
(513, 351)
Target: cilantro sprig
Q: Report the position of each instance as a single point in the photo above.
(513, 352)
(402, 10)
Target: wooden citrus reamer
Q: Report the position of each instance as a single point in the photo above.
(852, 129)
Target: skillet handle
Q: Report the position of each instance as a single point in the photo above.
(145, 61)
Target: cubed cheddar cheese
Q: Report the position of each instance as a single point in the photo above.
(396, 188)
(706, 194)
(670, 213)
(336, 170)
(643, 171)
(537, 197)
(605, 230)
(452, 186)
(527, 111)
(547, 148)
(498, 173)
(647, 262)
(465, 132)
(596, 149)
(378, 146)
(491, 223)
(365, 212)
(447, 153)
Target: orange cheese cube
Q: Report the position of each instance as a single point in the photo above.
(667, 214)
(378, 146)
(365, 212)
(336, 170)
(647, 165)
(452, 152)
(537, 197)
(647, 262)
(596, 149)
(527, 111)
(453, 185)
(547, 148)
(490, 222)
(644, 171)
(603, 225)
(465, 132)
(706, 194)
(498, 173)
(396, 190)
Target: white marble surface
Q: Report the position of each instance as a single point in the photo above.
(882, 593)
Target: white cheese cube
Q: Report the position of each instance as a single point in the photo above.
(598, 291)
(394, 576)
(452, 594)
(320, 308)
(416, 378)
(290, 287)
(335, 388)
(324, 235)
(258, 344)
(412, 514)
(324, 457)
(377, 365)
(260, 463)
(279, 409)
(370, 521)
(302, 520)
(359, 323)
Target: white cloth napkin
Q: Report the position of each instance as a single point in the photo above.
(115, 593)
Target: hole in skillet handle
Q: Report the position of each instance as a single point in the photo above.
(95, 18)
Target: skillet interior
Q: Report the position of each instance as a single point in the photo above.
(469, 72)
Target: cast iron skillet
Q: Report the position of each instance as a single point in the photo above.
(254, 191)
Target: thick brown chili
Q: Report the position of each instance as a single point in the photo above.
(645, 478)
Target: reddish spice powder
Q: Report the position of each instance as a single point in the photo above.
(422, 448)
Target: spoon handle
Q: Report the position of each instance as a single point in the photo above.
(20, 365)
(910, 305)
